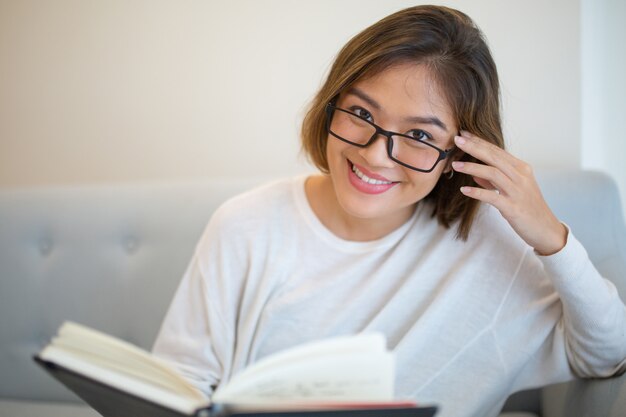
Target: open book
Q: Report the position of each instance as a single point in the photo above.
(338, 377)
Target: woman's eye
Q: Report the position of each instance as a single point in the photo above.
(362, 113)
(418, 134)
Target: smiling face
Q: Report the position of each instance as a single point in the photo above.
(367, 184)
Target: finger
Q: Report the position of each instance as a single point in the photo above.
(484, 183)
(488, 153)
(492, 197)
(486, 176)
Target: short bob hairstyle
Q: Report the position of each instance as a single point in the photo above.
(452, 47)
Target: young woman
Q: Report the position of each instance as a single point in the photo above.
(420, 225)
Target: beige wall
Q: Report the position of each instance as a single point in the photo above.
(603, 51)
(135, 90)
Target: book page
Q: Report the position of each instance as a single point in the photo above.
(346, 377)
(124, 382)
(360, 343)
(105, 351)
(347, 369)
(140, 370)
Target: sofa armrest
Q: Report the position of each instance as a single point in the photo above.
(586, 398)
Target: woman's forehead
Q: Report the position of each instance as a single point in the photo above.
(403, 88)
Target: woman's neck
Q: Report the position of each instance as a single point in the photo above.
(321, 196)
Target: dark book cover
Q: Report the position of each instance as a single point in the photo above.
(113, 402)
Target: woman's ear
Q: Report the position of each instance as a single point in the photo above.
(455, 155)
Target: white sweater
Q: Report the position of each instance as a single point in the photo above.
(469, 322)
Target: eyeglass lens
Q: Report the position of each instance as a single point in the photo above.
(354, 129)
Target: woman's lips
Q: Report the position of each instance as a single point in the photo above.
(367, 182)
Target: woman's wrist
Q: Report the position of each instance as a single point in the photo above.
(556, 243)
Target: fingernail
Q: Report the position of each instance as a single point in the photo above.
(457, 165)
(466, 190)
(459, 140)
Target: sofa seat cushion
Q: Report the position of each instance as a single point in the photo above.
(16, 408)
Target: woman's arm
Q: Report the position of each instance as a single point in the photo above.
(593, 318)
(198, 333)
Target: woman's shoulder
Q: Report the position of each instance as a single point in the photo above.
(259, 204)
(269, 192)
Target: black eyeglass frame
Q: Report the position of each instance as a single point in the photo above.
(330, 108)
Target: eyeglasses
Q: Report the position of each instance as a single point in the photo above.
(409, 151)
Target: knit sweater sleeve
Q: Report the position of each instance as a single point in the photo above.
(560, 319)
(198, 332)
(593, 316)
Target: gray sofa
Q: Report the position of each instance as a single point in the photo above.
(111, 257)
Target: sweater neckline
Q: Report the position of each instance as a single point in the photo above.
(344, 245)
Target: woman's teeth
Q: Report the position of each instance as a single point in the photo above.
(367, 179)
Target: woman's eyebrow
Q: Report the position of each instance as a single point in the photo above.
(360, 94)
(430, 120)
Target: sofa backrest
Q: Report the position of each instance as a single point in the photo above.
(105, 256)
(111, 257)
(589, 202)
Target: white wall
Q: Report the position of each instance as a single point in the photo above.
(603, 101)
(135, 90)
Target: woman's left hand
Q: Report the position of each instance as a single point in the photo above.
(510, 186)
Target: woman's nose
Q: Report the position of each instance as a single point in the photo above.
(376, 153)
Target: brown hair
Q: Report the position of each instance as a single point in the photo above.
(452, 47)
